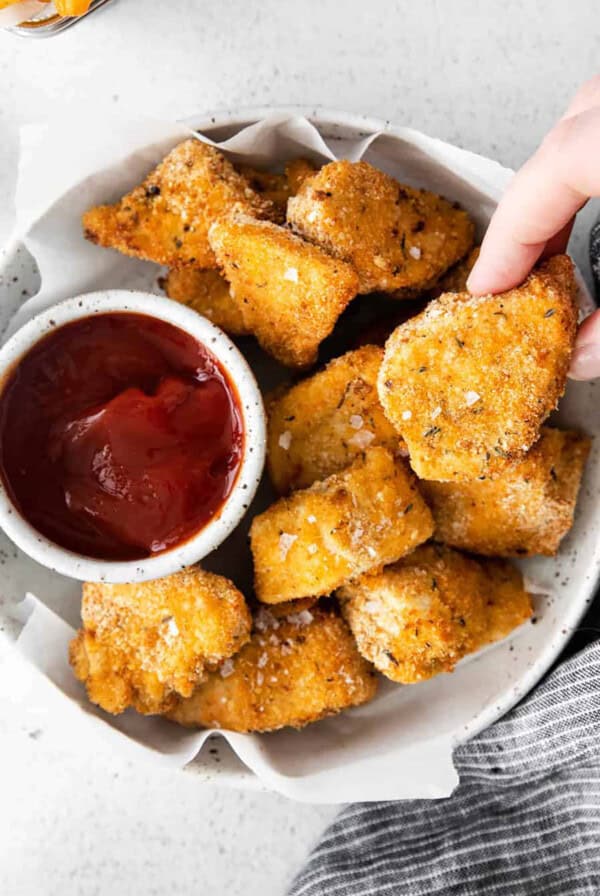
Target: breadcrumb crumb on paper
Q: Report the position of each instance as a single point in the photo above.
(525, 511)
(366, 516)
(495, 365)
(310, 670)
(142, 644)
(166, 219)
(395, 236)
(421, 615)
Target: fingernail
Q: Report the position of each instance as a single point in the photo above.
(585, 364)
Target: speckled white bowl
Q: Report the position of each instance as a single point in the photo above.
(225, 520)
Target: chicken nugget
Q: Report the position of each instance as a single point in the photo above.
(142, 644)
(469, 382)
(291, 293)
(297, 171)
(527, 510)
(278, 188)
(422, 615)
(362, 518)
(455, 280)
(293, 672)
(166, 218)
(207, 292)
(323, 423)
(396, 237)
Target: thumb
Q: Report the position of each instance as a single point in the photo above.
(585, 364)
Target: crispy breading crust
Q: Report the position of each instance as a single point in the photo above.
(396, 237)
(207, 292)
(525, 511)
(455, 280)
(290, 293)
(278, 188)
(369, 515)
(166, 218)
(422, 615)
(291, 673)
(142, 644)
(469, 382)
(323, 423)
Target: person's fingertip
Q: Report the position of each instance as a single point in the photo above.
(585, 364)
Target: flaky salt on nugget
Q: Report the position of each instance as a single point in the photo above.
(469, 382)
(323, 423)
(423, 614)
(142, 644)
(278, 188)
(207, 292)
(525, 511)
(294, 671)
(290, 293)
(395, 236)
(369, 515)
(166, 218)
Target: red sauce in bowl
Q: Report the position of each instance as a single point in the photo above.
(120, 436)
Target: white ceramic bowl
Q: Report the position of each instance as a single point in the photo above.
(225, 520)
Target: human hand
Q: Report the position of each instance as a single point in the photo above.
(535, 217)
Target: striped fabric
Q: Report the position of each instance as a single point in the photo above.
(525, 820)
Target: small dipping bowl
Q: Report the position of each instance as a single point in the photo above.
(241, 383)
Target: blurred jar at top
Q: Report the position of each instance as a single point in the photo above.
(43, 18)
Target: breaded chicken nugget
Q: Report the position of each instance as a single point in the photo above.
(278, 188)
(207, 292)
(142, 644)
(396, 237)
(422, 615)
(297, 171)
(323, 423)
(369, 515)
(526, 510)
(455, 280)
(469, 382)
(294, 671)
(291, 293)
(166, 219)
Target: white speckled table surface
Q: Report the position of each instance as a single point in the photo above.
(491, 77)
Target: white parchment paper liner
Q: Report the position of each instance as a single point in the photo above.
(400, 745)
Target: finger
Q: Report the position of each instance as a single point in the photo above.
(539, 202)
(558, 244)
(585, 364)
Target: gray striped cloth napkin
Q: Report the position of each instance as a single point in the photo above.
(525, 820)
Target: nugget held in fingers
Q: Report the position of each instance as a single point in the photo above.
(323, 423)
(469, 382)
(142, 644)
(294, 671)
(395, 236)
(424, 613)
(207, 292)
(166, 219)
(290, 293)
(369, 515)
(525, 511)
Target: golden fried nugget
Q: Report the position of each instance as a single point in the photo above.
(396, 237)
(469, 382)
(291, 293)
(455, 280)
(422, 615)
(527, 510)
(323, 423)
(142, 644)
(166, 219)
(294, 671)
(297, 172)
(207, 292)
(368, 515)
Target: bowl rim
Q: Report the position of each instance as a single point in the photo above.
(77, 566)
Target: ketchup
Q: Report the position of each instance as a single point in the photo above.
(120, 436)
